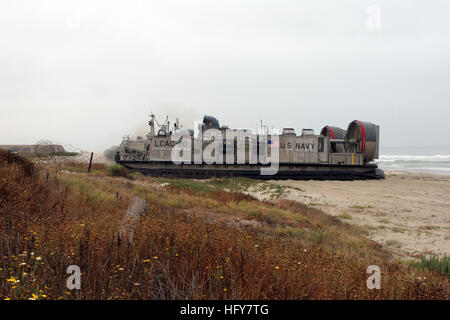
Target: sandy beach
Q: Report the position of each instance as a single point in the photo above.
(407, 212)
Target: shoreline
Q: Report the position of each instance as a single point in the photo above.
(424, 171)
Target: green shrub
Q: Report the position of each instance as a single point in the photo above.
(117, 170)
(435, 263)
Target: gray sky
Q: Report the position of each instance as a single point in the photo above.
(87, 72)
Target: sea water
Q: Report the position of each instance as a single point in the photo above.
(417, 159)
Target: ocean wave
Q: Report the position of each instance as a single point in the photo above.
(421, 158)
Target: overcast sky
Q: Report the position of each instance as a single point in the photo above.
(87, 72)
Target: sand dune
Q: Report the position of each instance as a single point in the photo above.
(407, 212)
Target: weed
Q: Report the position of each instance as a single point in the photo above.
(345, 216)
(117, 170)
(441, 264)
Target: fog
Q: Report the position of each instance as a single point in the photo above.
(88, 72)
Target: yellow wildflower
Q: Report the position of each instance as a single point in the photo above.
(11, 280)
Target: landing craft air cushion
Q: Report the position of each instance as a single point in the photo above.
(333, 154)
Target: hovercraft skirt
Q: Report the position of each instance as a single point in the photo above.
(285, 171)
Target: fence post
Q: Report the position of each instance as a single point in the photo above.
(90, 162)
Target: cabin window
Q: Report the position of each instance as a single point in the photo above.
(162, 133)
(320, 144)
(333, 147)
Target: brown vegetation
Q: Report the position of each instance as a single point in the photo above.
(50, 222)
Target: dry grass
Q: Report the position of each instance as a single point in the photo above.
(50, 222)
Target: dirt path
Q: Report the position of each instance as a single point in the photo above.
(408, 212)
